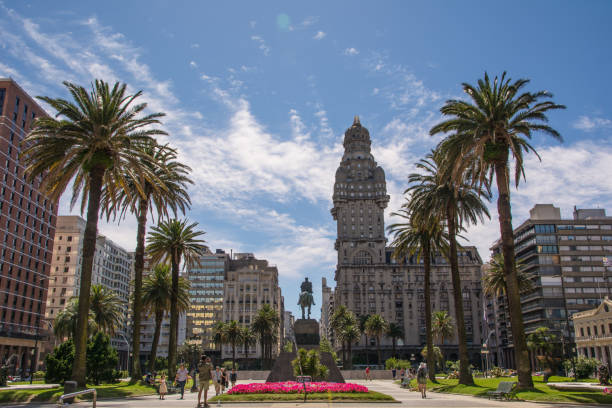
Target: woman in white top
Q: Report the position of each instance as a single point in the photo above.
(181, 378)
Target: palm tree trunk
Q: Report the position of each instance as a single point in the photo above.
(465, 377)
(174, 316)
(159, 317)
(513, 294)
(79, 372)
(378, 351)
(233, 355)
(393, 341)
(350, 355)
(366, 350)
(428, 333)
(343, 354)
(136, 372)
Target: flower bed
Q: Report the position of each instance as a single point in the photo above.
(292, 387)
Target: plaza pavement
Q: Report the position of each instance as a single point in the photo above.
(406, 398)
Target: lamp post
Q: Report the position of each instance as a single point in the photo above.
(412, 358)
(194, 340)
(129, 351)
(34, 361)
(484, 358)
(572, 349)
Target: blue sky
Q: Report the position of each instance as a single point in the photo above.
(258, 96)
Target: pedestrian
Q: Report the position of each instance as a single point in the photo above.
(217, 374)
(204, 376)
(224, 380)
(181, 378)
(402, 373)
(233, 377)
(393, 372)
(163, 387)
(367, 373)
(422, 379)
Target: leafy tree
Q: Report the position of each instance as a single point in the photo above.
(65, 322)
(442, 328)
(308, 363)
(438, 358)
(106, 307)
(494, 279)
(249, 338)
(376, 327)
(585, 366)
(341, 318)
(218, 329)
(288, 347)
(101, 360)
(92, 143)
(59, 363)
(458, 203)
(173, 242)
(543, 341)
(485, 131)
(394, 332)
(190, 353)
(167, 191)
(233, 336)
(420, 234)
(326, 347)
(156, 298)
(265, 324)
(349, 334)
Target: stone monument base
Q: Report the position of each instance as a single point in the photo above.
(306, 333)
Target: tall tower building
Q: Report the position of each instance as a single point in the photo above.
(27, 227)
(360, 198)
(369, 281)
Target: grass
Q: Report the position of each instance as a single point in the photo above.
(26, 382)
(119, 390)
(319, 396)
(541, 392)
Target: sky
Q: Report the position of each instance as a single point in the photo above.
(257, 97)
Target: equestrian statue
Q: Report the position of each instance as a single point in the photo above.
(306, 298)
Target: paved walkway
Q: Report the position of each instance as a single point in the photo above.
(406, 398)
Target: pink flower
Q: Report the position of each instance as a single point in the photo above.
(292, 387)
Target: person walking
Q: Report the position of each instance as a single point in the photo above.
(204, 376)
(422, 379)
(224, 380)
(233, 377)
(217, 374)
(181, 378)
(393, 372)
(163, 387)
(367, 374)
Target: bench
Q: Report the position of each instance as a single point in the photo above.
(505, 389)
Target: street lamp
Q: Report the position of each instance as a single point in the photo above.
(34, 360)
(567, 327)
(129, 351)
(412, 358)
(484, 358)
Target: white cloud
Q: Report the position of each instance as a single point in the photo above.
(265, 49)
(195, 45)
(193, 64)
(351, 51)
(375, 91)
(589, 124)
(319, 35)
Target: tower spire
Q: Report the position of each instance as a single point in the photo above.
(356, 121)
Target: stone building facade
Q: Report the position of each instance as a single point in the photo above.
(593, 332)
(369, 280)
(326, 302)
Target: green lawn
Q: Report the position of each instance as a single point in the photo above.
(541, 392)
(319, 396)
(122, 389)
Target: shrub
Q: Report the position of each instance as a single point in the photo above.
(585, 366)
(393, 362)
(123, 373)
(497, 372)
(326, 346)
(59, 363)
(3, 376)
(101, 360)
(228, 365)
(288, 347)
(308, 363)
(39, 375)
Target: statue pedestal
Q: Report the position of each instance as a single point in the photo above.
(306, 333)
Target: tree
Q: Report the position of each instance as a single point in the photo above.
(337, 321)
(308, 363)
(106, 307)
(362, 321)
(232, 335)
(59, 363)
(394, 332)
(544, 342)
(442, 328)
(420, 234)
(437, 357)
(376, 326)
(175, 241)
(265, 324)
(249, 338)
(498, 121)
(156, 298)
(101, 360)
(65, 322)
(91, 143)
(325, 346)
(348, 334)
(458, 203)
(190, 353)
(167, 192)
(494, 279)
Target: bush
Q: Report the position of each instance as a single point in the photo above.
(326, 346)
(59, 363)
(288, 347)
(3, 376)
(308, 363)
(393, 362)
(585, 366)
(497, 372)
(228, 365)
(123, 373)
(39, 375)
(101, 360)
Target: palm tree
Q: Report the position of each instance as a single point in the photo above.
(494, 279)
(543, 341)
(349, 333)
(376, 326)
(167, 192)
(394, 332)
(458, 203)
(421, 236)
(442, 328)
(175, 241)
(233, 336)
(218, 333)
(91, 143)
(156, 298)
(498, 121)
(337, 322)
(265, 324)
(248, 339)
(65, 323)
(106, 307)
(362, 321)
